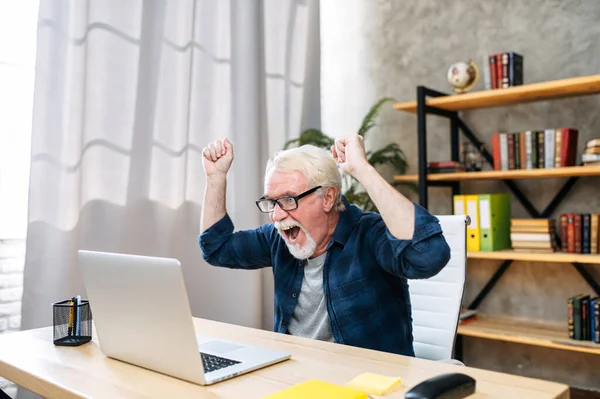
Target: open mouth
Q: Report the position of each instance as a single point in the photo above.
(291, 232)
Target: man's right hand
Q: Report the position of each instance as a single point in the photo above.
(217, 158)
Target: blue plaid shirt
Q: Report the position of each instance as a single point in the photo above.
(364, 275)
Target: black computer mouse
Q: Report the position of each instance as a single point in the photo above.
(445, 386)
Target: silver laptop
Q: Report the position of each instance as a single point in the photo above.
(142, 316)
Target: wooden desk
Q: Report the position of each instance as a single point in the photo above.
(30, 359)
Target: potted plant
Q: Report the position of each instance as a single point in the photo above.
(391, 155)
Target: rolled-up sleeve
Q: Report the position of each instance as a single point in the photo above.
(246, 249)
(421, 257)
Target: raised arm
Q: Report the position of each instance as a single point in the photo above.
(216, 160)
(409, 243)
(397, 211)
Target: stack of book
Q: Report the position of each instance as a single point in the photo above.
(532, 149)
(533, 235)
(444, 167)
(591, 153)
(583, 315)
(503, 70)
(467, 315)
(580, 233)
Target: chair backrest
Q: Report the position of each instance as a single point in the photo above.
(436, 302)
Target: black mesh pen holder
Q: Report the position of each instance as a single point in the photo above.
(72, 322)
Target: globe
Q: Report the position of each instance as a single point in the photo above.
(462, 76)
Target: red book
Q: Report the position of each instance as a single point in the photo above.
(570, 233)
(496, 151)
(499, 70)
(493, 70)
(577, 224)
(568, 147)
(443, 164)
(563, 233)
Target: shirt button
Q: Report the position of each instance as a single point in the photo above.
(294, 295)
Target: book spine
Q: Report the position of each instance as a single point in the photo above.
(572, 153)
(523, 147)
(564, 147)
(493, 71)
(499, 70)
(570, 321)
(557, 149)
(496, 151)
(511, 150)
(528, 151)
(487, 84)
(511, 69)
(517, 138)
(563, 232)
(577, 226)
(585, 233)
(594, 232)
(577, 331)
(540, 147)
(534, 150)
(505, 76)
(549, 148)
(585, 319)
(504, 150)
(570, 233)
(591, 318)
(517, 65)
(597, 322)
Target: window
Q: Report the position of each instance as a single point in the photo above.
(18, 29)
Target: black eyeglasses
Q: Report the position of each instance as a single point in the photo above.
(288, 203)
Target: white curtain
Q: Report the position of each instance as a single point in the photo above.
(126, 95)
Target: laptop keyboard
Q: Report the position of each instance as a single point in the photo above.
(212, 362)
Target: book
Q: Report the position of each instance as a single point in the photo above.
(515, 69)
(316, 389)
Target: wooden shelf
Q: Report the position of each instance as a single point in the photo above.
(556, 89)
(546, 335)
(567, 171)
(556, 257)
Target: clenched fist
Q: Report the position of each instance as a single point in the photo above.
(349, 153)
(217, 158)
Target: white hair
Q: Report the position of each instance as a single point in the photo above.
(316, 164)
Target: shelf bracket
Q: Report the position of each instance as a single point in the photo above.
(457, 123)
(587, 277)
(559, 197)
(490, 284)
(533, 212)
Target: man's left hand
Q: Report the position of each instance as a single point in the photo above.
(349, 153)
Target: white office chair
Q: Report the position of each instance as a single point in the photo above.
(436, 302)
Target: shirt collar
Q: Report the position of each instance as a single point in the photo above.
(345, 224)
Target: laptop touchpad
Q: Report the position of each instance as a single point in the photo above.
(219, 346)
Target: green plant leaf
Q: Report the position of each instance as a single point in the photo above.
(369, 120)
(311, 136)
(391, 155)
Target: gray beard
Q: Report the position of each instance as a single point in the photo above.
(299, 252)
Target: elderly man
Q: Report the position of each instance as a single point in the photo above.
(340, 273)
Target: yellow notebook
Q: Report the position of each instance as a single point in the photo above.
(315, 389)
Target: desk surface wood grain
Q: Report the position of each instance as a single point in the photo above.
(30, 359)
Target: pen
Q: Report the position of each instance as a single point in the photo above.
(78, 314)
(71, 316)
(74, 310)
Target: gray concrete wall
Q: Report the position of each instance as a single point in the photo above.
(413, 42)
